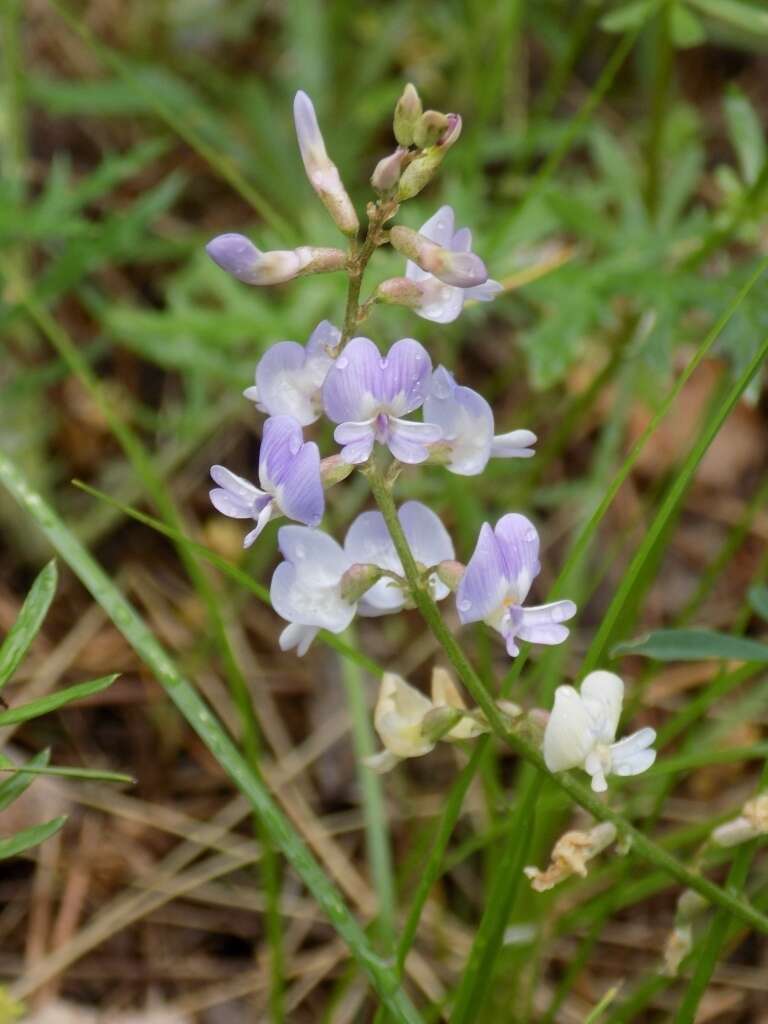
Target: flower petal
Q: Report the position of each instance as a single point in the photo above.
(297, 597)
(540, 624)
(408, 440)
(568, 736)
(297, 636)
(281, 441)
(461, 241)
(429, 540)
(368, 542)
(439, 227)
(516, 444)
(632, 755)
(318, 555)
(405, 376)
(357, 439)
(466, 420)
(324, 337)
(301, 496)
(485, 292)
(519, 544)
(484, 583)
(235, 496)
(281, 385)
(267, 513)
(440, 303)
(603, 695)
(352, 389)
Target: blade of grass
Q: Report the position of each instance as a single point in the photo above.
(35, 708)
(87, 774)
(27, 625)
(30, 837)
(200, 718)
(475, 986)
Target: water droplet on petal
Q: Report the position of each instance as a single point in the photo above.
(301, 551)
(342, 363)
(530, 535)
(464, 605)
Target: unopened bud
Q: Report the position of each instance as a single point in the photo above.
(407, 114)
(386, 174)
(321, 170)
(460, 269)
(400, 291)
(357, 580)
(450, 573)
(452, 132)
(239, 256)
(429, 128)
(690, 905)
(438, 722)
(677, 947)
(333, 470)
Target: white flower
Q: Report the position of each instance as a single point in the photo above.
(581, 732)
(401, 718)
(751, 823)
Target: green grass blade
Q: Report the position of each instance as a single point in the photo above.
(476, 981)
(206, 725)
(30, 837)
(35, 708)
(27, 625)
(693, 645)
(12, 788)
(85, 774)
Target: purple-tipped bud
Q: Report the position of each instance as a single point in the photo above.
(400, 291)
(321, 170)
(429, 129)
(452, 132)
(407, 114)
(239, 256)
(460, 269)
(358, 580)
(386, 174)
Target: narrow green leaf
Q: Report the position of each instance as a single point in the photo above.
(27, 626)
(86, 774)
(30, 837)
(54, 700)
(12, 788)
(758, 600)
(686, 28)
(693, 645)
(631, 15)
(746, 133)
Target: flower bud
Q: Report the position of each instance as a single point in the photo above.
(450, 572)
(333, 470)
(460, 269)
(418, 174)
(239, 256)
(321, 170)
(429, 128)
(357, 580)
(570, 856)
(320, 260)
(677, 947)
(400, 291)
(386, 174)
(407, 114)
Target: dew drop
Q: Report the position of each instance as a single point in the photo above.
(464, 605)
(342, 363)
(530, 536)
(301, 551)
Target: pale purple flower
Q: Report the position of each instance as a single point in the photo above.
(581, 732)
(443, 302)
(289, 474)
(367, 394)
(497, 580)
(289, 377)
(368, 542)
(306, 587)
(466, 420)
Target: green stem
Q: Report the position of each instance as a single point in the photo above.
(579, 792)
(207, 726)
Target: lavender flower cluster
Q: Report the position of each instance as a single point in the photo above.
(370, 397)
